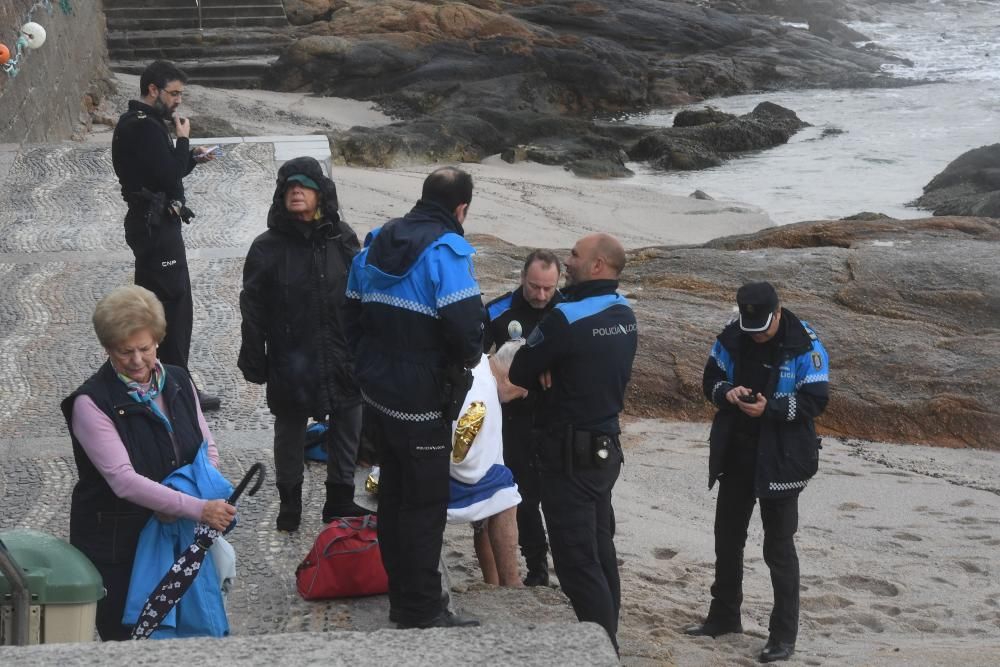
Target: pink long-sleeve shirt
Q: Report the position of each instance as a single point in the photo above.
(104, 447)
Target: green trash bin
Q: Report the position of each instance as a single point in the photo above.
(63, 585)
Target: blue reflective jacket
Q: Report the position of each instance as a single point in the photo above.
(413, 308)
(797, 392)
(588, 342)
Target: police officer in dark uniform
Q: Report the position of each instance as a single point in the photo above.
(582, 353)
(150, 169)
(768, 375)
(515, 315)
(414, 318)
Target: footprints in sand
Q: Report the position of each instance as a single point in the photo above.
(838, 471)
(943, 581)
(852, 507)
(908, 537)
(858, 582)
(655, 578)
(824, 602)
(870, 604)
(971, 568)
(889, 610)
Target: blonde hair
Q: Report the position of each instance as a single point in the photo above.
(504, 357)
(125, 311)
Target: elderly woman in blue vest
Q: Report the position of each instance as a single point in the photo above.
(132, 423)
(294, 280)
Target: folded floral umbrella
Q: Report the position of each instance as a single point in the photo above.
(182, 573)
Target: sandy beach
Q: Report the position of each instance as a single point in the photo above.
(526, 203)
(898, 544)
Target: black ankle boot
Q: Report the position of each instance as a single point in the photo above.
(538, 570)
(290, 510)
(340, 502)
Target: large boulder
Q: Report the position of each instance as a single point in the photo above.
(704, 139)
(970, 185)
(908, 309)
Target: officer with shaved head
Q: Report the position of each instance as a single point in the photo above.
(581, 354)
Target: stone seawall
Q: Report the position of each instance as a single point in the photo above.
(49, 98)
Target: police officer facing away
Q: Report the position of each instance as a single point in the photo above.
(768, 375)
(151, 169)
(414, 318)
(582, 352)
(515, 315)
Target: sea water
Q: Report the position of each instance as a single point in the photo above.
(868, 149)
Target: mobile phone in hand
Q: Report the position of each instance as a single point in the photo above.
(748, 398)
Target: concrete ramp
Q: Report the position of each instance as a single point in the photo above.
(500, 645)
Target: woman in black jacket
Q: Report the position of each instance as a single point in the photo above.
(293, 293)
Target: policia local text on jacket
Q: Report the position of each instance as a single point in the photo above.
(588, 343)
(292, 303)
(771, 458)
(146, 159)
(415, 310)
(519, 428)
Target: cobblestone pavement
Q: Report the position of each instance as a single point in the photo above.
(62, 247)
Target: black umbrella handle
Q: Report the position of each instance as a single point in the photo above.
(254, 470)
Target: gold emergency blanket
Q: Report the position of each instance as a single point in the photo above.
(371, 482)
(467, 430)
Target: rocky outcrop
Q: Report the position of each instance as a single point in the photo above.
(487, 76)
(705, 138)
(970, 185)
(835, 31)
(908, 309)
(304, 12)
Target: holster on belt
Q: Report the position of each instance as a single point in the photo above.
(576, 450)
(158, 206)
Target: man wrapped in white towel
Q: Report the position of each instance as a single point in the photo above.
(483, 491)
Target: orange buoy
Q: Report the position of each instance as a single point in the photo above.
(4, 54)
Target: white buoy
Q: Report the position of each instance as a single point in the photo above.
(34, 33)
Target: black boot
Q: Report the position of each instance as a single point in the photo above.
(538, 568)
(290, 510)
(340, 502)
(208, 401)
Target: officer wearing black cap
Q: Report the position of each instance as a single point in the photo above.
(582, 352)
(768, 374)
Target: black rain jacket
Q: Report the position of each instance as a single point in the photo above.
(292, 304)
(797, 392)
(144, 155)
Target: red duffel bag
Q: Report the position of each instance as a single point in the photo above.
(344, 562)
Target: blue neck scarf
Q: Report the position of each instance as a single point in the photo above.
(156, 382)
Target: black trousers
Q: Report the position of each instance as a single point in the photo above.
(343, 439)
(412, 510)
(111, 607)
(581, 525)
(161, 267)
(780, 517)
(519, 456)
